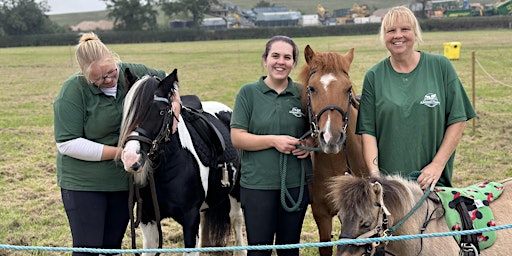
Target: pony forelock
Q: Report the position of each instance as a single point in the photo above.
(135, 106)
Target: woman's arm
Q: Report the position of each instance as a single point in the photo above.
(247, 141)
(371, 154)
(431, 173)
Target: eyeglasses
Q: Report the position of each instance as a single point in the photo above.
(111, 74)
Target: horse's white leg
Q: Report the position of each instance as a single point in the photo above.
(149, 236)
(200, 231)
(237, 222)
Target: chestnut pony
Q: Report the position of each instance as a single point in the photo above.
(332, 108)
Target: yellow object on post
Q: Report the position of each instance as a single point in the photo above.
(452, 50)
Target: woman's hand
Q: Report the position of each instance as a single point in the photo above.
(285, 144)
(430, 175)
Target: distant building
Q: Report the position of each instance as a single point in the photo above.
(310, 20)
(277, 19)
(101, 25)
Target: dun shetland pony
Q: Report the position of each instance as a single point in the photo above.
(332, 108)
(365, 205)
(199, 196)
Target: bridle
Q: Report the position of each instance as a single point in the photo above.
(163, 134)
(313, 119)
(382, 230)
(153, 152)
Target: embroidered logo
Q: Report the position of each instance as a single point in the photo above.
(430, 100)
(297, 112)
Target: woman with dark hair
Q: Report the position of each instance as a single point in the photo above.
(267, 121)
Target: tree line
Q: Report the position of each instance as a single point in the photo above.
(27, 17)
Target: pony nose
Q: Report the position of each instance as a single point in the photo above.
(137, 166)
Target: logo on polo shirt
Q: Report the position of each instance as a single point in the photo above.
(297, 112)
(430, 100)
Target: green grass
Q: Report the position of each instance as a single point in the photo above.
(31, 212)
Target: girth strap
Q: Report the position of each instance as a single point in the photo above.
(469, 242)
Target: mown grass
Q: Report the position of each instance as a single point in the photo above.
(31, 212)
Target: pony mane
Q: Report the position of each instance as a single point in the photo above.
(349, 192)
(359, 195)
(136, 103)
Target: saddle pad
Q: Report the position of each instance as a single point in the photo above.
(212, 147)
(482, 194)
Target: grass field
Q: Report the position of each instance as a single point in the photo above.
(31, 211)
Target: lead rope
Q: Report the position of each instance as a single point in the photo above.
(134, 220)
(283, 162)
(156, 209)
(131, 205)
(404, 219)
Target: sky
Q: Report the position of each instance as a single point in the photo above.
(70, 6)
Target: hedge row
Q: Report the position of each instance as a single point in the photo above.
(177, 35)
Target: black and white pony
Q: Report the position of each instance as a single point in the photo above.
(193, 172)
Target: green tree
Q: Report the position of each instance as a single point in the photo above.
(194, 8)
(24, 17)
(132, 14)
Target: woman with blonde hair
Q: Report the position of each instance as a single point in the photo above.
(87, 118)
(413, 108)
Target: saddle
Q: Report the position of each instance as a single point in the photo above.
(210, 136)
(468, 208)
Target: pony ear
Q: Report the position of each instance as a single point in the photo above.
(308, 54)
(349, 56)
(377, 189)
(166, 86)
(129, 78)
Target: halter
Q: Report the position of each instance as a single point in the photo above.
(313, 119)
(381, 230)
(163, 135)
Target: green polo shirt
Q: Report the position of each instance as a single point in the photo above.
(261, 111)
(409, 113)
(82, 110)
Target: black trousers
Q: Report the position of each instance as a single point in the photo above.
(265, 218)
(96, 219)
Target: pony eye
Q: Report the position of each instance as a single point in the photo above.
(162, 112)
(311, 89)
(366, 224)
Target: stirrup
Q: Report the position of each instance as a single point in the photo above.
(225, 176)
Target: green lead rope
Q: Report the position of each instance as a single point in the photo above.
(283, 163)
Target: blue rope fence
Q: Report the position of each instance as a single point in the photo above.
(258, 247)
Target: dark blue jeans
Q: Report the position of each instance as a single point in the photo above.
(265, 218)
(96, 219)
